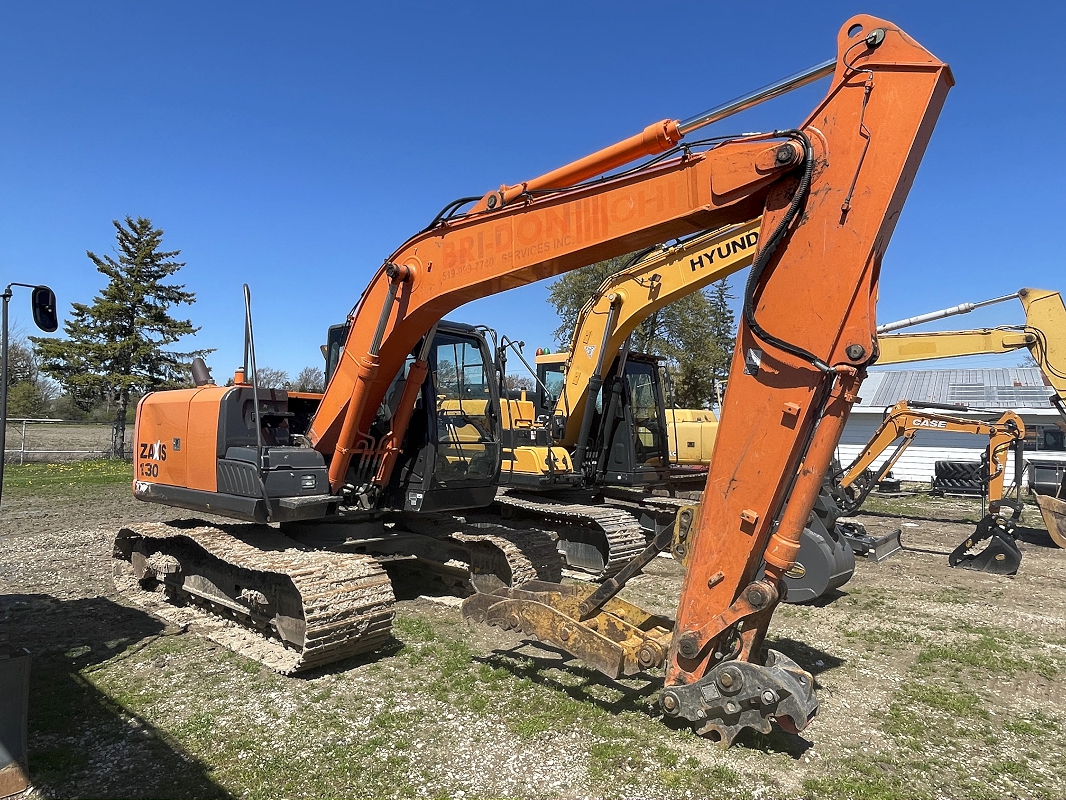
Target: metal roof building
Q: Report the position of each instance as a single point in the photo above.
(1013, 388)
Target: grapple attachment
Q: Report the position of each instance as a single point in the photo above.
(1000, 556)
(618, 638)
(738, 694)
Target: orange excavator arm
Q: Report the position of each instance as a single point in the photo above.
(807, 333)
(880, 77)
(906, 420)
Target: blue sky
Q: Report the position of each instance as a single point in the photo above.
(294, 146)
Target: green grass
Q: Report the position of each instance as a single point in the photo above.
(957, 698)
(537, 700)
(893, 638)
(865, 779)
(31, 478)
(1034, 724)
(990, 652)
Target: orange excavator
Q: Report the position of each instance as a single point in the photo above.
(902, 423)
(375, 449)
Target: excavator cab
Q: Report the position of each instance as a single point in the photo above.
(451, 455)
(627, 443)
(200, 448)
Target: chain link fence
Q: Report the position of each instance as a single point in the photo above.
(50, 440)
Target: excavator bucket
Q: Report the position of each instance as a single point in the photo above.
(1053, 510)
(1000, 556)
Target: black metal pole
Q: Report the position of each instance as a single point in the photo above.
(3, 391)
(44, 316)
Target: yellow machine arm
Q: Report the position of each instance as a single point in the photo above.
(1044, 335)
(630, 296)
(904, 422)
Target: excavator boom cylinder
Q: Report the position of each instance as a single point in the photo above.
(768, 92)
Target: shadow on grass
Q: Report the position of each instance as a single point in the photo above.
(915, 516)
(82, 743)
(1034, 536)
(1037, 536)
(812, 659)
(391, 648)
(639, 694)
(824, 599)
(635, 694)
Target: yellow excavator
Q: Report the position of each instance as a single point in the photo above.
(592, 452)
(1043, 335)
(905, 421)
(631, 449)
(598, 420)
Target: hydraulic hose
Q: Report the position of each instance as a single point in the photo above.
(767, 252)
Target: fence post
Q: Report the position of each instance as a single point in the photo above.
(22, 450)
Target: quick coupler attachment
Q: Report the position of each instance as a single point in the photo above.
(738, 694)
(1000, 556)
(618, 639)
(872, 548)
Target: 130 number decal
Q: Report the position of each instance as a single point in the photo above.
(150, 453)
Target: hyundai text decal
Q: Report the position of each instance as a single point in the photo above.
(724, 250)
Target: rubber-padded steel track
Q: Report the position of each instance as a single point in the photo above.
(623, 536)
(345, 600)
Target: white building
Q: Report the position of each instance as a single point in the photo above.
(988, 392)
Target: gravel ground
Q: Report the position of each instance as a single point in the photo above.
(933, 683)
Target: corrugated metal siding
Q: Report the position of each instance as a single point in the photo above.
(1012, 387)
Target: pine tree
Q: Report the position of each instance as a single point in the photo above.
(116, 348)
(723, 334)
(571, 291)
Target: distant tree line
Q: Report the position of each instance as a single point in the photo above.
(309, 379)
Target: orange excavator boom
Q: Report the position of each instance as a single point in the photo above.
(807, 333)
(523, 238)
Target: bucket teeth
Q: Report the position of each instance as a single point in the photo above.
(620, 639)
